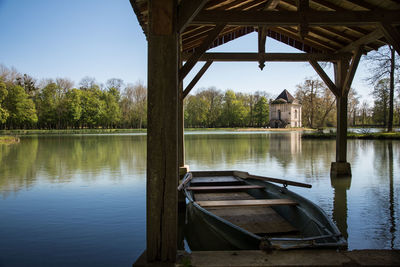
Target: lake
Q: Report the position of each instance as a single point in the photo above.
(80, 199)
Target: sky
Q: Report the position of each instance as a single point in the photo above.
(103, 39)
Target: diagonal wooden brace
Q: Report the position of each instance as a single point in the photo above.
(334, 89)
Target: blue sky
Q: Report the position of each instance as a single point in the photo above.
(102, 39)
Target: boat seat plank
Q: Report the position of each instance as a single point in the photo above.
(214, 179)
(222, 196)
(223, 188)
(257, 220)
(247, 202)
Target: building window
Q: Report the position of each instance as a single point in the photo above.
(295, 113)
(279, 114)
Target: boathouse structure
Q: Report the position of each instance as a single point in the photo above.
(285, 111)
(179, 33)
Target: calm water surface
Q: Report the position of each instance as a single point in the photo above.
(80, 199)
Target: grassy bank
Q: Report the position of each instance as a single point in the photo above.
(108, 131)
(70, 131)
(350, 135)
(8, 140)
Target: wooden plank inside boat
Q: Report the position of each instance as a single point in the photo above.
(247, 202)
(224, 188)
(206, 197)
(257, 220)
(214, 179)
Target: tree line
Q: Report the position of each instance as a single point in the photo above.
(55, 104)
(213, 108)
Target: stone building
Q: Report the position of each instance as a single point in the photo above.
(285, 111)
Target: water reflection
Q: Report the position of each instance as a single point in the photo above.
(365, 207)
(391, 196)
(89, 191)
(60, 159)
(340, 185)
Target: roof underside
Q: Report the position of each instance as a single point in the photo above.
(320, 39)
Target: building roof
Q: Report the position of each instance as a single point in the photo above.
(285, 95)
(330, 37)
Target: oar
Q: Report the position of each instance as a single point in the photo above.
(188, 176)
(246, 175)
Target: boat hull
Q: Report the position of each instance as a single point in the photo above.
(206, 231)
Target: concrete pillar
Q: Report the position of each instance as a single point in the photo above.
(162, 132)
(341, 167)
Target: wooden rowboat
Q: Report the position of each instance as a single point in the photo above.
(228, 210)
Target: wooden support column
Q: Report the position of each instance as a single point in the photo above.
(341, 167)
(162, 132)
(181, 124)
(344, 74)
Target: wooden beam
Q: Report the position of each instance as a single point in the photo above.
(364, 4)
(200, 51)
(262, 38)
(352, 70)
(303, 6)
(271, 4)
(366, 39)
(162, 133)
(392, 35)
(341, 70)
(196, 78)
(270, 57)
(187, 10)
(325, 77)
(293, 18)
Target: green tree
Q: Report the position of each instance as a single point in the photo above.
(73, 107)
(261, 112)
(92, 107)
(3, 94)
(22, 112)
(213, 100)
(46, 104)
(112, 111)
(196, 111)
(233, 111)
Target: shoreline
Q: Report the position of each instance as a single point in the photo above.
(108, 131)
(351, 135)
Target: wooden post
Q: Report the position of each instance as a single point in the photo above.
(181, 125)
(341, 167)
(162, 132)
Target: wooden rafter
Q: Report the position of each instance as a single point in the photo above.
(196, 78)
(366, 39)
(271, 4)
(363, 4)
(289, 18)
(199, 51)
(269, 57)
(187, 10)
(334, 89)
(392, 36)
(318, 43)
